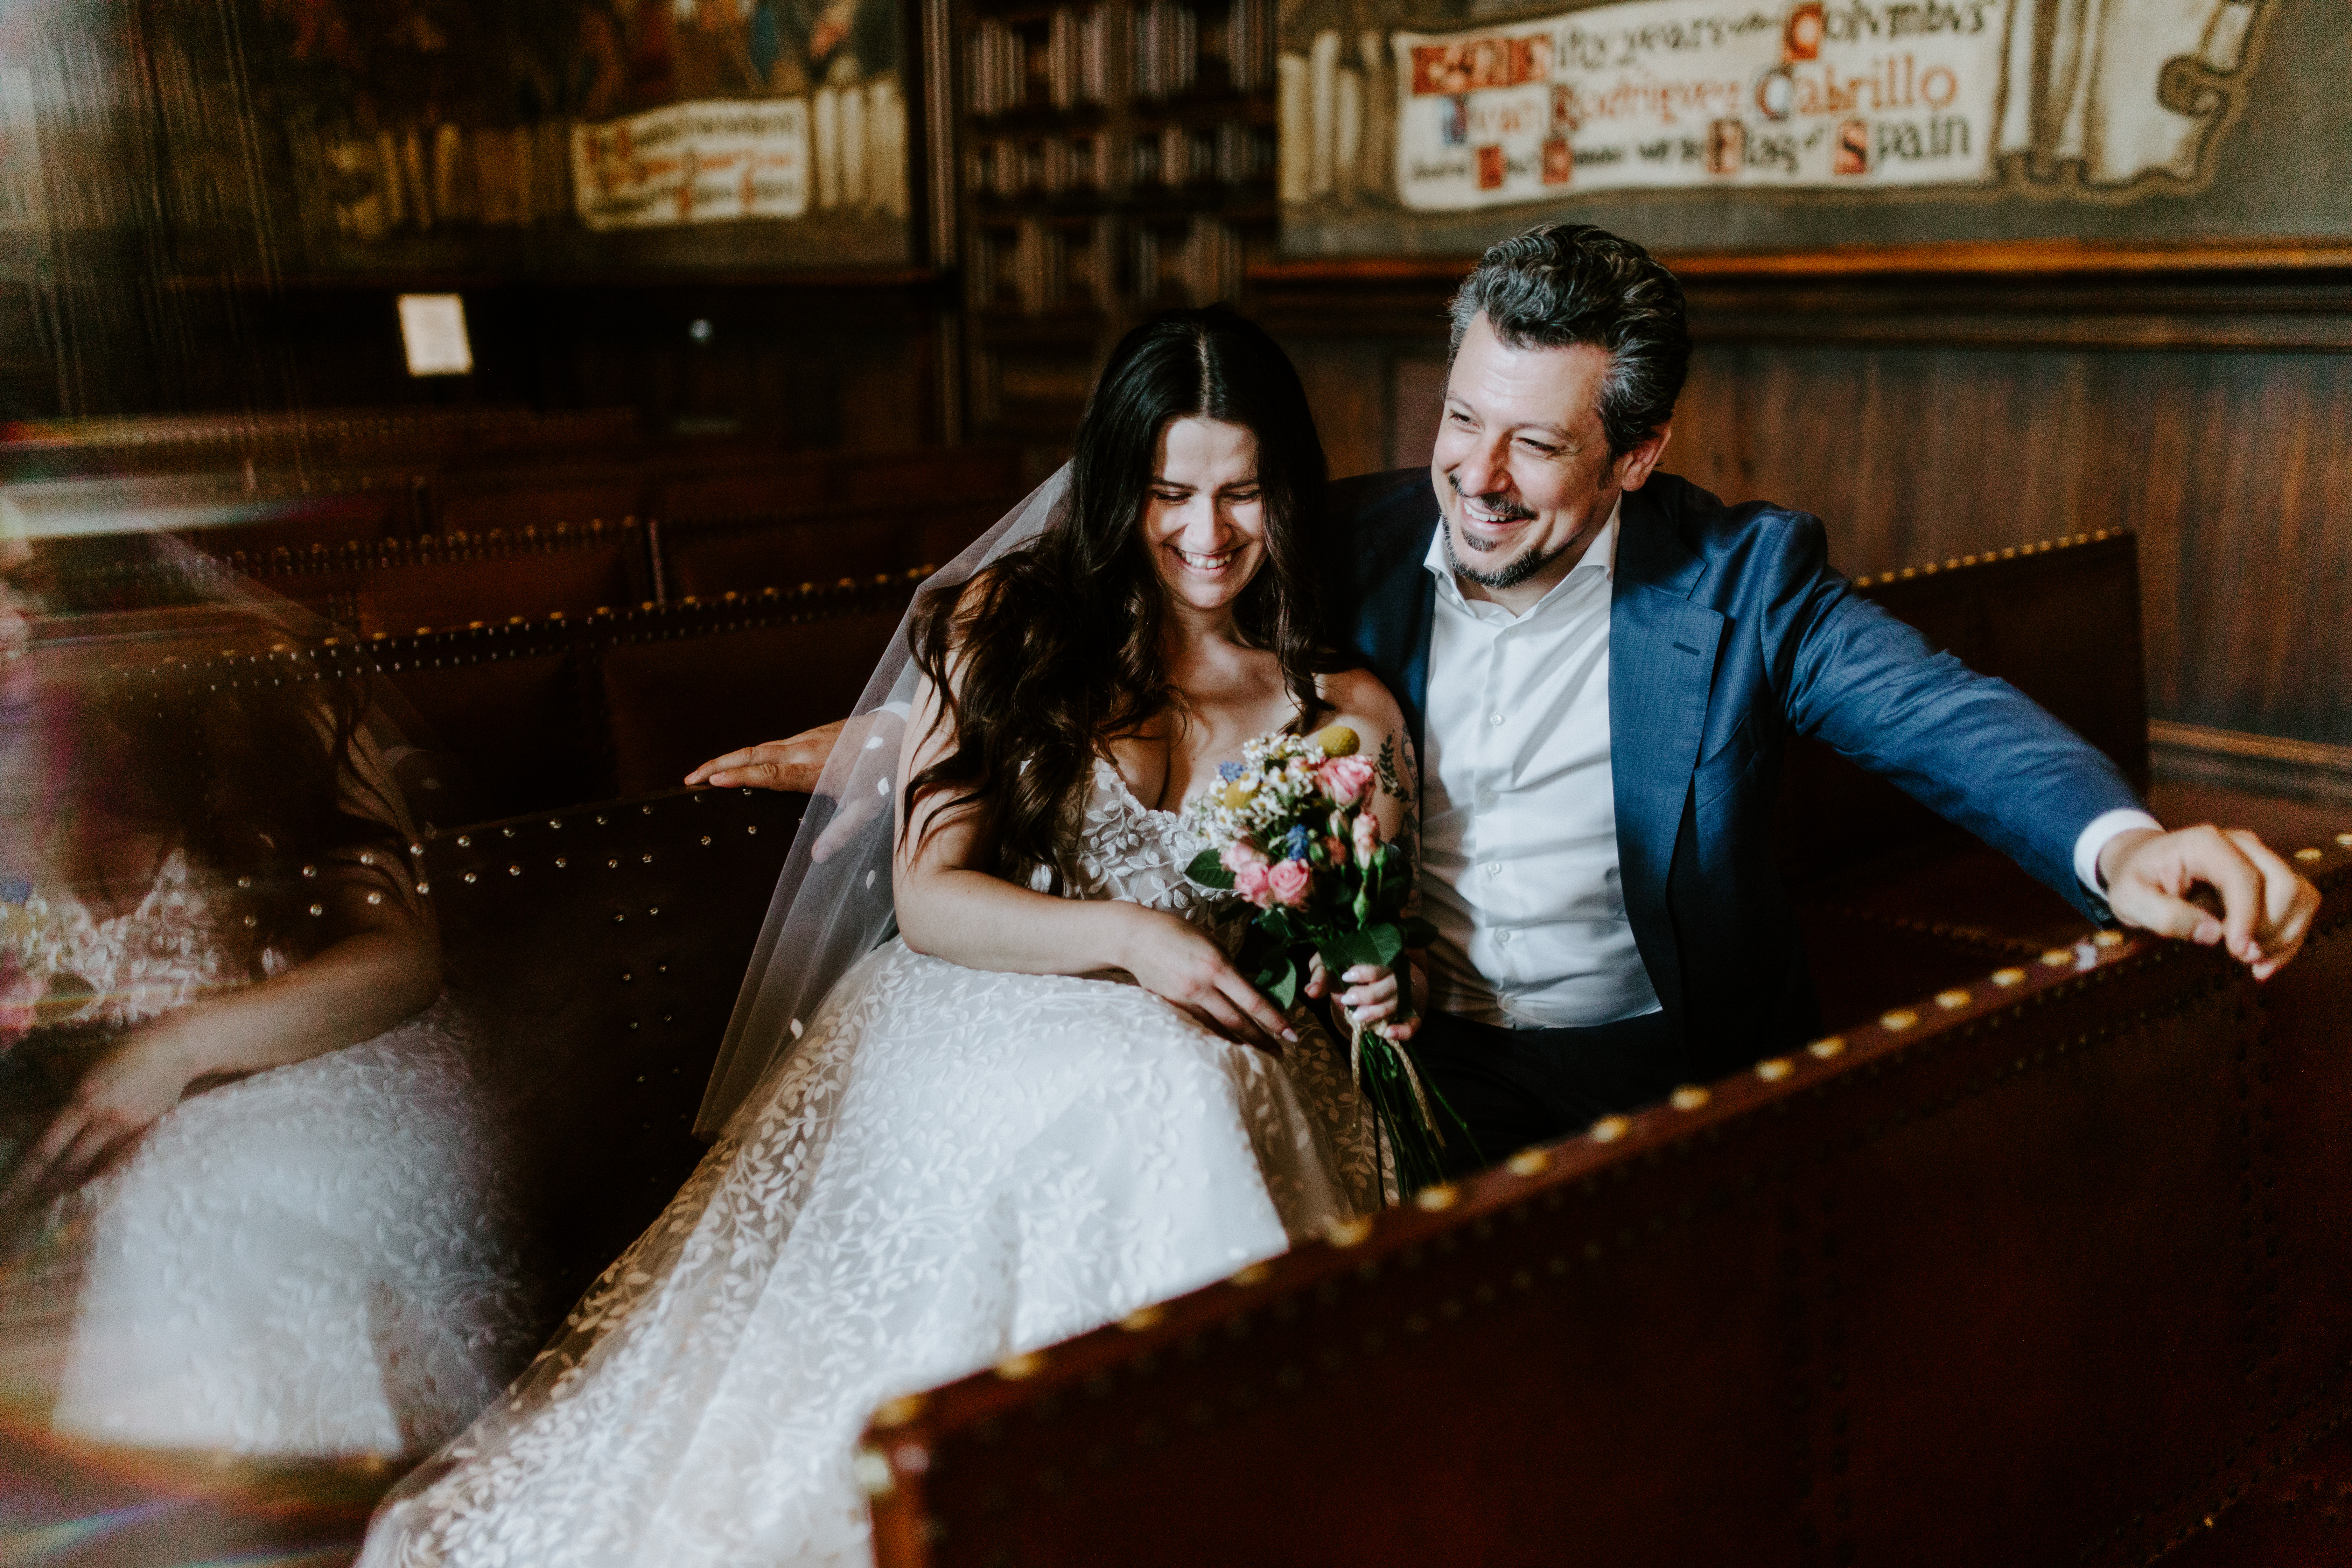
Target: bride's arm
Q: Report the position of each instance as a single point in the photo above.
(950, 909)
(386, 966)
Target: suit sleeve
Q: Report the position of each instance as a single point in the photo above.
(1971, 748)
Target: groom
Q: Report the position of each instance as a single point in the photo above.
(1602, 664)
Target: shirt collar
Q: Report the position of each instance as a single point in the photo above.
(1599, 556)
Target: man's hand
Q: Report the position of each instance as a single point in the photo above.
(792, 766)
(2266, 908)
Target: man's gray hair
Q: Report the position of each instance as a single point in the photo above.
(1569, 283)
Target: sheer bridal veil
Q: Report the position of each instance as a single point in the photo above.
(833, 902)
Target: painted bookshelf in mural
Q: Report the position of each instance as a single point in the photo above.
(1116, 158)
(1404, 127)
(565, 133)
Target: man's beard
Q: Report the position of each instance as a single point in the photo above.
(1511, 574)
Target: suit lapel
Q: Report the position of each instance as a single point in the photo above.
(1392, 626)
(1662, 651)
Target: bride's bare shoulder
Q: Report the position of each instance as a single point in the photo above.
(1358, 697)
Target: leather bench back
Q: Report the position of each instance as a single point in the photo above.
(596, 952)
(2058, 621)
(2046, 1269)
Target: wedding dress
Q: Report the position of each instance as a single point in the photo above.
(312, 1260)
(953, 1165)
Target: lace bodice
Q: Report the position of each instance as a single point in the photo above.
(175, 945)
(1126, 849)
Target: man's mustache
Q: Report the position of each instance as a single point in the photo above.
(1504, 512)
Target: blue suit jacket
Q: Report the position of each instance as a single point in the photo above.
(1729, 633)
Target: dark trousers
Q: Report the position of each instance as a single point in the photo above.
(1515, 1087)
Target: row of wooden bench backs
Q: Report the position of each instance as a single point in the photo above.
(442, 582)
(260, 512)
(2047, 1268)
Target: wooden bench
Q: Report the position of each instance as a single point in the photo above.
(598, 951)
(1894, 902)
(2047, 1268)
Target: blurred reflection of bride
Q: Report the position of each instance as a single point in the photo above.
(250, 1202)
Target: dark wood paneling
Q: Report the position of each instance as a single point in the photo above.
(1930, 405)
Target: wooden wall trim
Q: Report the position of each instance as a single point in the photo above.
(2268, 764)
(2058, 257)
(2292, 296)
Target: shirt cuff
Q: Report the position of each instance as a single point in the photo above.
(2093, 838)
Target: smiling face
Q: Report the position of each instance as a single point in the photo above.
(1522, 468)
(1205, 519)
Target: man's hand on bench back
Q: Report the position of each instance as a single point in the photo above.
(2266, 908)
(796, 766)
(792, 766)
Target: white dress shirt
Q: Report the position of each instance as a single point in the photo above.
(1519, 823)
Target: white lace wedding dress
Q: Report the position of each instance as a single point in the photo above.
(315, 1260)
(952, 1166)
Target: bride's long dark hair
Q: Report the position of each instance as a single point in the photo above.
(1057, 645)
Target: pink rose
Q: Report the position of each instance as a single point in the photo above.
(1250, 882)
(19, 996)
(1344, 779)
(1287, 884)
(1368, 837)
(1241, 852)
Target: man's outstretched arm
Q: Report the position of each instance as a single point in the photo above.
(1982, 754)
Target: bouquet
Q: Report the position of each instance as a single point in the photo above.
(1290, 828)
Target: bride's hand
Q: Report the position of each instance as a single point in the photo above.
(791, 765)
(1371, 995)
(121, 1095)
(1172, 959)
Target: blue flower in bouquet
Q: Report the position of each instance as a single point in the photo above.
(1229, 772)
(1295, 842)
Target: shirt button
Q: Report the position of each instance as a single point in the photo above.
(1494, 867)
(1486, 797)
(1495, 720)
(1504, 937)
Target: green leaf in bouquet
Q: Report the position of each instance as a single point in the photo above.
(1376, 944)
(1279, 981)
(1209, 871)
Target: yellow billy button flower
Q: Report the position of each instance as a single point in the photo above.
(1337, 741)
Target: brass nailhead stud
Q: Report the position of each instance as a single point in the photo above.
(1897, 1021)
(1947, 1000)
(1013, 1369)
(1772, 1069)
(464, 841)
(2307, 854)
(2344, 840)
(471, 878)
(2005, 978)
(375, 898)
(2108, 939)
(1142, 1318)
(424, 886)
(1438, 1199)
(2059, 958)
(514, 870)
(1347, 1232)
(1826, 1048)
(1609, 1128)
(1529, 1163)
(1690, 1097)
(1253, 1274)
(899, 1411)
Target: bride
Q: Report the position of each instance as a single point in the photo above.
(1052, 1098)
